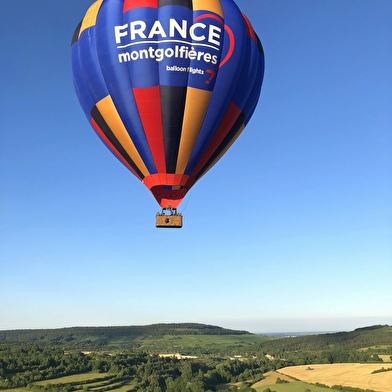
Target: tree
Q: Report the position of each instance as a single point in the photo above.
(186, 370)
(245, 387)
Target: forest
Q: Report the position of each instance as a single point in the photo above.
(27, 357)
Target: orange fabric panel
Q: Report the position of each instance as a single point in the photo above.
(90, 19)
(109, 113)
(176, 180)
(208, 5)
(196, 106)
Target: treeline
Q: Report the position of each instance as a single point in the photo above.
(65, 335)
(342, 388)
(20, 365)
(303, 357)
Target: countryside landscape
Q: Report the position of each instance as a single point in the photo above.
(193, 358)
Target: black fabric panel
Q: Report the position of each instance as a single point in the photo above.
(172, 103)
(75, 36)
(226, 141)
(259, 45)
(183, 3)
(96, 115)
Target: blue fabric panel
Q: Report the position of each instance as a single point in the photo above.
(223, 91)
(254, 95)
(90, 65)
(82, 92)
(118, 79)
(248, 75)
(173, 70)
(206, 55)
(144, 71)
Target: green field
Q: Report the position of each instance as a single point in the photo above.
(270, 382)
(291, 385)
(295, 386)
(188, 344)
(76, 378)
(17, 390)
(93, 381)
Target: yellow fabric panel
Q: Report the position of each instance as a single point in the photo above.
(109, 113)
(90, 18)
(197, 102)
(224, 151)
(208, 5)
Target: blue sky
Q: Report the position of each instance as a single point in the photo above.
(290, 231)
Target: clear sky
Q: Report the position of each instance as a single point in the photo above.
(290, 231)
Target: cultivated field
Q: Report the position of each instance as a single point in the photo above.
(270, 378)
(97, 382)
(188, 344)
(84, 377)
(385, 358)
(270, 382)
(295, 386)
(347, 374)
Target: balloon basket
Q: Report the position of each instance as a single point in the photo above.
(169, 218)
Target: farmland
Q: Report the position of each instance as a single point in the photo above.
(87, 381)
(272, 381)
(196, 344)
(352, 375)
(356, 375)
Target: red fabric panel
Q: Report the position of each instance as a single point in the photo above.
(165, 179)
(249, 29)
(130, 4)
(228, 120)
(158, 183)
(211, 16)
(230, 33)
(148, 102)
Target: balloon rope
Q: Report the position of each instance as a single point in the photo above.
(188, 198)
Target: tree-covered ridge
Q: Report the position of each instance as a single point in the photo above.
(75, 333)
(377, 335)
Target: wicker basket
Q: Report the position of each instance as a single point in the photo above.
(169, 221)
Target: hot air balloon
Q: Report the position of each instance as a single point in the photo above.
(168, 86)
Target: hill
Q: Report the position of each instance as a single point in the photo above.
(376, 335)
(105, 334)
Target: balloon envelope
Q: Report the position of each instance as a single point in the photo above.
(168, 85)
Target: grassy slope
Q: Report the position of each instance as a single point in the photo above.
(74, 378)
(270, 382)
(94, 381)
(295, 386)
(189, 343)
